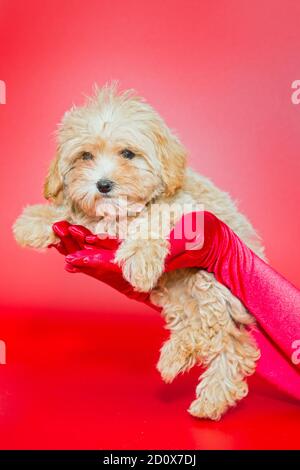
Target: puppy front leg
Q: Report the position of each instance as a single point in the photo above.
(142, 262)
(33, 228)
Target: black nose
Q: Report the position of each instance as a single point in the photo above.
(104, 186)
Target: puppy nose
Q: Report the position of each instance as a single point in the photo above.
(104, 186)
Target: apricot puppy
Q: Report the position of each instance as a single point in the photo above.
(117, 162)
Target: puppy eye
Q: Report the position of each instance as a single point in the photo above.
(87, 156)
(126, 153)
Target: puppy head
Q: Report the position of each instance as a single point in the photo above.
(115, 147)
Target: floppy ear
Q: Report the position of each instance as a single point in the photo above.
(54, 182)
(172, 156)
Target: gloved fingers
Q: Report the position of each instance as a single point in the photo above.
(85, 238)
(79, 234)
(61, 228)
(59, 247)
(82, 259)
(96, 258)
(105, 242)
(76, 237)
(91, 239)
(71, 269)
(85, 258)
(69, 244)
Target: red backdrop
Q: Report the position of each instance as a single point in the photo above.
(219, 71)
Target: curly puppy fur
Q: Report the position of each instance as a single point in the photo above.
(207, 324)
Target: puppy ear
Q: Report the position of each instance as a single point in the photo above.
(172, 156)
(54, 182)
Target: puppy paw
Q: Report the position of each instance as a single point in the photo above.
(34, 226)
(214, 400)
(174, 359)
(205, 409)
(142, 262)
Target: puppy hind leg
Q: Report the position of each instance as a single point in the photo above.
(207, 327)
(178, 354)
(230, 352)
(223, 384)
(181, 351)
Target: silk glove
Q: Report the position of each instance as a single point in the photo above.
(272, 300)
(89, 254)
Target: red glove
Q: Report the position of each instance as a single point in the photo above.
(94, 256)
(274, 302)
(91, 255)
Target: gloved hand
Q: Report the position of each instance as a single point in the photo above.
(93, 256)
(273, 301)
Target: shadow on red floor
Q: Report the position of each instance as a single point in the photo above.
(86, 381)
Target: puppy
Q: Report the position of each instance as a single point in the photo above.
(117, 148)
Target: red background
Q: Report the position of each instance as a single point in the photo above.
(80, 357)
